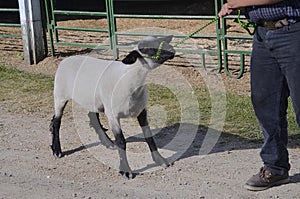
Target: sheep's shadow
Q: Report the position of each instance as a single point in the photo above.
(219, 141)
(195, 143)
(68, 53)
(80, 148)
(190, 143)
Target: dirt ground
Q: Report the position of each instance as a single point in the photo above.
(28, 169)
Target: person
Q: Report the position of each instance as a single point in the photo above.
(275, 75)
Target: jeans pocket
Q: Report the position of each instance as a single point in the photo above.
(260, 34)
(291, 28)
(294, 27)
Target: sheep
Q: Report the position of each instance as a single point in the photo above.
(115, 88)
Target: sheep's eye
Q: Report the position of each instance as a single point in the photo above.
(149, 51)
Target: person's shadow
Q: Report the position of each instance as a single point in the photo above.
(295, 178)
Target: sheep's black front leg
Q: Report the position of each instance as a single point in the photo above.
(124, 168)
(157, 158)
(54, 128)
(120, 142)
(100, 130)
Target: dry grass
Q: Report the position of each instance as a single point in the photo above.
(27, 93)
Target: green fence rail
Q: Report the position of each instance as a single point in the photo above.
(53, 28)
(226, 52)
(220, 36)
(15, 25)
(203, 53)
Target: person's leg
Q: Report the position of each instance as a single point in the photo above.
(269, 95)
(280, 49)
(288, 53)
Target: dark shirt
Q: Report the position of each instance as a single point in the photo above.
(286, 9)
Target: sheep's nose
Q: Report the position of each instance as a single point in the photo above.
(173, 52)
(171, 49)
(173, 55)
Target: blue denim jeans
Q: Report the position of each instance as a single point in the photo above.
(275, 75)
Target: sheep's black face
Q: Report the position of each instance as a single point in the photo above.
(158, 49)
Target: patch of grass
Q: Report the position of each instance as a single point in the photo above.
(163, 98)
(175, 103)
(25, 92)
(241, 119)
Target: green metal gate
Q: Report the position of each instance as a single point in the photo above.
(53, 28)
(14, 25)
(220, 36)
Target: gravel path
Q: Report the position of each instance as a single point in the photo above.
(28, 169)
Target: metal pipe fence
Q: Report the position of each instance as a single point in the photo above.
(53, 28)
(13, 25)
(221, 37)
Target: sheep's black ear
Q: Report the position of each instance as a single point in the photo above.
(131, 57)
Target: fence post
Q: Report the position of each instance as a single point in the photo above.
(34, 44)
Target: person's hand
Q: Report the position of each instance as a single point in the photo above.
(231, 5)
(225, 10)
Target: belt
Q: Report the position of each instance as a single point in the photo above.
(273, 25)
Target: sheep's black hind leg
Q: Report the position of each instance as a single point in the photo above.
(54, 128)
(157, 158)
(100, 130)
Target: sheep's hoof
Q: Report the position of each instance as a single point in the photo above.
(56, 152)
(127, 174)
(165, 164)
(59, 155)
(159, 160)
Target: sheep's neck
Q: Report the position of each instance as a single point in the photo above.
(140, 72)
